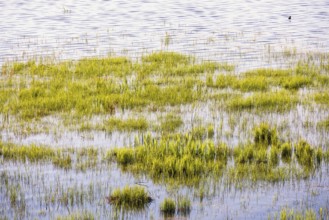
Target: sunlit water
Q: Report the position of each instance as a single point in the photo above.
(249, 34)
(244, 32)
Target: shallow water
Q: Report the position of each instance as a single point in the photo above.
(249, 34)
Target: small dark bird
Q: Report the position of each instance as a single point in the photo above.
(289, 18)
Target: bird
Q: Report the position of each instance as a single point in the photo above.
(289, 18)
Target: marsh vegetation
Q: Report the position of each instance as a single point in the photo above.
(181, 125)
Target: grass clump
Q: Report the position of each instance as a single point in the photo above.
(83, 215)
(264, 135)
(295, 82)
(170, 123)
(179, 158)
(260, 160)
(96, 86)
(305, 154)
(130, 197)
(63, 161)
(32, 153)
(184, 205)
(130, 124)
(286, 152)
(267, 101)
(322, 97)
(187, 159)
(168, 206)
(124, 156)
(324, 124)
(307, 214)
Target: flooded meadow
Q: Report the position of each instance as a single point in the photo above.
(173, 110)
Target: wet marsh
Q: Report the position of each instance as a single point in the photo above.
(186, 138)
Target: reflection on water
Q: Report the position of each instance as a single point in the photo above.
(236, 31)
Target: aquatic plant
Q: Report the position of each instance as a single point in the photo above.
(61, 161)
(183, 205)
(304, 154)
(179, 158)
(308, 214)
(32, 153)
(134, 197)
(81, 215)
(264, 135)
(129, 124)
(168, 206)
(170, 123)
(286, 152)
(267, 101)
(323, 124)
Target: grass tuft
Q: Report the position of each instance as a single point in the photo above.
(130, 197)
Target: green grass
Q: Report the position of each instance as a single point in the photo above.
(83, 215)
(322, 97)
(170, 123)
(130, 124)
(270, 101)
(32, 153)
(264, 135)
(130, 198)
(103, 86)
(307, 214)
(179, 158)
(183, 205)
(187, 159)
(81, 159)
(286, 152)
(168, 206)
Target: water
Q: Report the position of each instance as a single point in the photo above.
(247, 33)
(240, 31)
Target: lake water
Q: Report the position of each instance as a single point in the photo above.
(249, 33)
